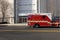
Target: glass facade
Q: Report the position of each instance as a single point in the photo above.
(29, 6)
(25, 6)
(37, 6)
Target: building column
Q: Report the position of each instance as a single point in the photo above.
(15, 11)
(43, 6)
(38, 6)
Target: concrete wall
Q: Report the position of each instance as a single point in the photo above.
(43, 6)
(10, 12)
(54, 7)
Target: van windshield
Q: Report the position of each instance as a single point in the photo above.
(55, 18)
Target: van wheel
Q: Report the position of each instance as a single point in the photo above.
(59, 25)
(36, 26)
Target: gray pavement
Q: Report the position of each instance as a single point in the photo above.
(25, 28)
(29, 36)
(21, 24)
(22, 27)
(12, 26)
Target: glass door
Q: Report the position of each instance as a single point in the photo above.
(23, 19)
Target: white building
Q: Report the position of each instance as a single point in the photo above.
(11, 12)
(9, 15)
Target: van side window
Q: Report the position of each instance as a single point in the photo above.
(43, 16)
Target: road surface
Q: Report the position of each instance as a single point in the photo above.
(26, 33)
(25, 28)
(29, 36)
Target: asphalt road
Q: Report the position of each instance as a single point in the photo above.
(29, 36)
(25, 28)
(27, 33)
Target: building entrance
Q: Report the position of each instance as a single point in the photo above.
(22, 19)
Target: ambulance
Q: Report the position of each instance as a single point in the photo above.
(43, 20)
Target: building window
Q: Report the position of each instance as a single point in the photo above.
(25, 4)
(26, 11)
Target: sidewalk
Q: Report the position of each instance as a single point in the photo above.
(13, 26)
(22, 24)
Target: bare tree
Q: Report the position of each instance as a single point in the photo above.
(4, 6)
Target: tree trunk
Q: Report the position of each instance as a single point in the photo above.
(3, 17)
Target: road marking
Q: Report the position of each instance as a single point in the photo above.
(29, 30)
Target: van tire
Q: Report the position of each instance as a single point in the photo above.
(59, 25)
(36, 26)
